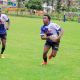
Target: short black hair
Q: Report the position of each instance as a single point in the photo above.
(48, 16)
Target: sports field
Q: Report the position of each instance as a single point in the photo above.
(24, 52)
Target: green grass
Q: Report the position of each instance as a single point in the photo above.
(24, 52)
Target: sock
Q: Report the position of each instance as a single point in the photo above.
(2, 50)
(45, 59)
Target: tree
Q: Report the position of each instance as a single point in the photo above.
(34, 4)
(58, 6)
(69, 4)
(20, 3)
(52, 4)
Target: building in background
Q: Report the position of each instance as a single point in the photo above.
(8, 3)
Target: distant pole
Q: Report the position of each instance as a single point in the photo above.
(64, 17)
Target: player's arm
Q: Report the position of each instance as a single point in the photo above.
(8, 24)
(61, 33)
(7, 21)
(44, 37)
(57, 38)
(59, 30)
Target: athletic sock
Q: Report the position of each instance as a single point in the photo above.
(2, 50)
(45, 59)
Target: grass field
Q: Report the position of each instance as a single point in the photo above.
(24, 52)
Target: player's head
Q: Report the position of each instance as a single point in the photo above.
(46, 19)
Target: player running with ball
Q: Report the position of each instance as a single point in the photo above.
(52, 33)
(3, 32)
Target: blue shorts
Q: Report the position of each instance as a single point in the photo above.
(3, 36)
(2, 32)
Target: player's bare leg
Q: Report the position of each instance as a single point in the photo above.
(53, 54)
(46, 49)
(3, 47)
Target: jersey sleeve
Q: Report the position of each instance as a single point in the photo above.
(42, 32)
(56, 27)
(5, 17)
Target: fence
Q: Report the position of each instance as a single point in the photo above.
(70, 16)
